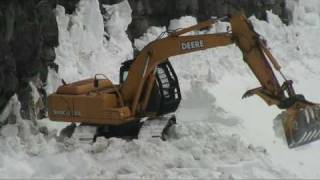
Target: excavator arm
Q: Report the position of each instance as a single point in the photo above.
(142, 70)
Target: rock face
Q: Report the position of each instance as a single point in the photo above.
(29, 33)
(158, 13)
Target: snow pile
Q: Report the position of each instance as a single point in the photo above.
(83, 48)
(120, 15)
(189, 153)
(153, 33)
(183, 22)
(218, 135)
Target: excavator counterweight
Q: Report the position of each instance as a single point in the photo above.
(149, 87)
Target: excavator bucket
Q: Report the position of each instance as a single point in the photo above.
(302, 124)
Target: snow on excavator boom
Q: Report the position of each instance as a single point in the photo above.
(149, 86)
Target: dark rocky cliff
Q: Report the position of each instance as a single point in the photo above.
(29, 33)
(158, 13)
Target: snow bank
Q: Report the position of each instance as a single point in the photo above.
(183, 22)
(118, 17)
(83, 49)
(152, 34)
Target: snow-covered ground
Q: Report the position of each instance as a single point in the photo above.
(218, 135)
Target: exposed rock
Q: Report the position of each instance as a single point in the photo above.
(69, 5)
(8, 78)
(148, 13)
(28, 35)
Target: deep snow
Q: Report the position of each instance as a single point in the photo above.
(218, 135)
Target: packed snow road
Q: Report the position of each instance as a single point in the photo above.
(201, 145)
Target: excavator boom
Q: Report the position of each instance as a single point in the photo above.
(151, 88)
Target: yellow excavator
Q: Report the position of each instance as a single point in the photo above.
(148, 92)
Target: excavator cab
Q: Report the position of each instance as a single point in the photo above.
(165, 96)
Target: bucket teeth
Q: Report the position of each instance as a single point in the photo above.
(307, 137)
(304, 126)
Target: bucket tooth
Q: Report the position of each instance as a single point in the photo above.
(302, 126)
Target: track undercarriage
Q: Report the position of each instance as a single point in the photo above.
(145, 128)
